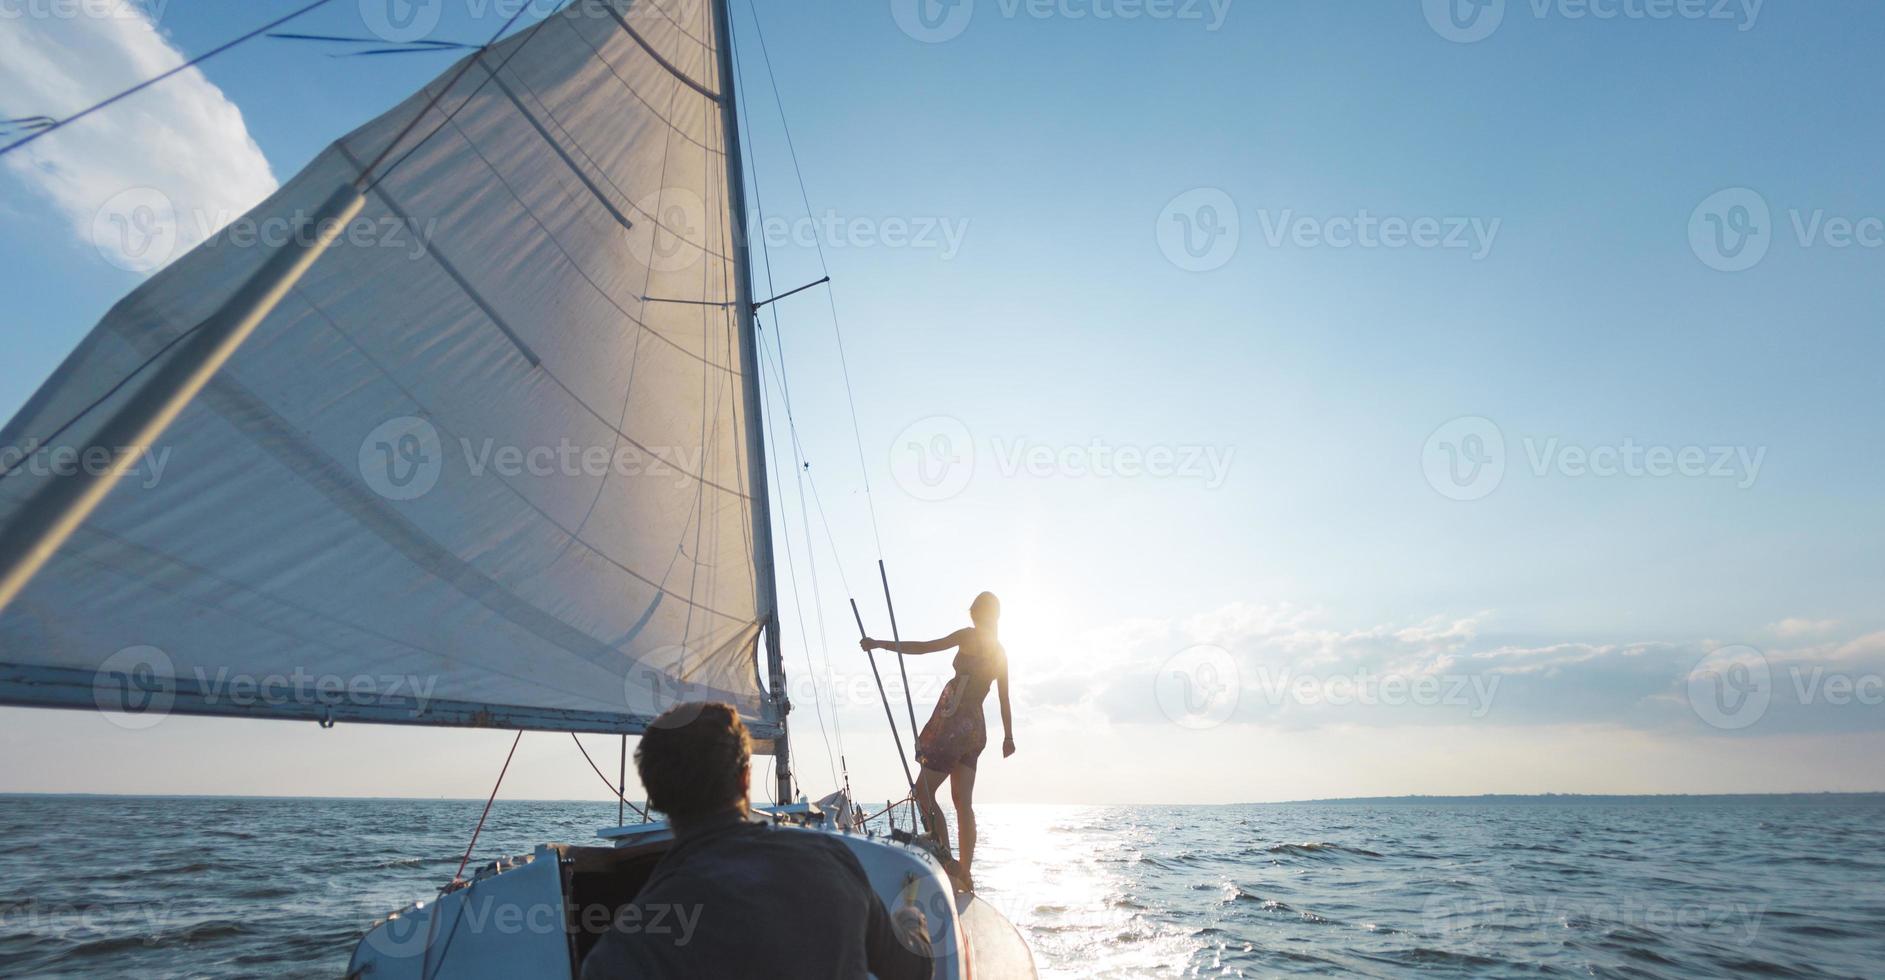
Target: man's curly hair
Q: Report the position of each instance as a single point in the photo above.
(693, 760)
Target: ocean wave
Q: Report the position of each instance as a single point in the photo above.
(1314, 848)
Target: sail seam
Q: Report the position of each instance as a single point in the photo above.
(557, 148)
(110, 553)
(704, 43)
(445, 265)
(657, 56)
(550, 113)
(630, 89)
(251, 415)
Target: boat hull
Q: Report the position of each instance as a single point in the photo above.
(538, 916)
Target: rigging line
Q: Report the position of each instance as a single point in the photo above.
(141, 86)
(831, 298)
(824, 640)
(818, 609)
(798, 606)
(620, 795)
(798, 457)
(831, 540)
(786, 394)
(889, 715)
(459, 874)
(477, 56)
(888, 808)
(32, 445)
(806, 479)
(426, 970)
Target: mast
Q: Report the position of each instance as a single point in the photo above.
(768, 598)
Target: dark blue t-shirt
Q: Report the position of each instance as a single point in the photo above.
(734, 898)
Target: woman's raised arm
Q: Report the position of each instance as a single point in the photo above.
(915, 647)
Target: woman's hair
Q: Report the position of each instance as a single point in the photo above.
(693, 760)
(985, 610)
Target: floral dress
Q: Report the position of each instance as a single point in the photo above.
(957, 731)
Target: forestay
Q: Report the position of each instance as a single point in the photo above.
(487, 464)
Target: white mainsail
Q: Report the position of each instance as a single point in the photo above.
(488, 463)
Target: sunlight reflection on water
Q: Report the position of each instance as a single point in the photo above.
(1060, 874)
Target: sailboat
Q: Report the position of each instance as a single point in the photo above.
(338, 513)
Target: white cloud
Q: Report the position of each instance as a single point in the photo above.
(1294, 671)
(143, 180)
(1796, 627)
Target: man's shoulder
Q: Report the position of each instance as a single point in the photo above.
(765, 842)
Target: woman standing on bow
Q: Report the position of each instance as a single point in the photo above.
(957, 731)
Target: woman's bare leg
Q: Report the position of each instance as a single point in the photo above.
(962, 789)
(927, 782)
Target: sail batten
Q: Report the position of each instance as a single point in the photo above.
(465, 451)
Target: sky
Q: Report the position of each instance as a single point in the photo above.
(1344, 399)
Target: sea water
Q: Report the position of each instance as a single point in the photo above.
(1650, 887)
